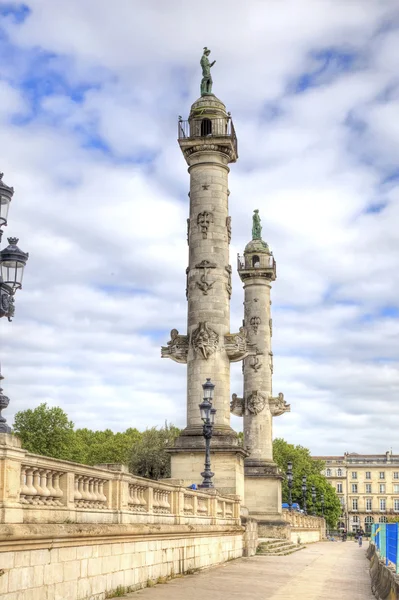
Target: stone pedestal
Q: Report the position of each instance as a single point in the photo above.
(263, 498)
(227, 460)
(11, 457)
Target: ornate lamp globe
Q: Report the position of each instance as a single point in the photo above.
(12, 265)
(6, 194)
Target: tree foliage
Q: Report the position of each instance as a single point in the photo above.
(46, 431)
(149, 457)
(303, 464)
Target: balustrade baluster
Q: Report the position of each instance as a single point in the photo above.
(39, 490)
(24, 488)
(58, 493)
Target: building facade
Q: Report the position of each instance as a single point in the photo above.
(367, 486)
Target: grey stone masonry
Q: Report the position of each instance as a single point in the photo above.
(208, 144)
(258, 406)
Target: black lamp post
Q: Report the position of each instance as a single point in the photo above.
(12, 265)
(208, 418)
(322, 504)
(313, 500)
(289, 482)
(304, 489)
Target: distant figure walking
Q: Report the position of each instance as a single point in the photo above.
(360, 534)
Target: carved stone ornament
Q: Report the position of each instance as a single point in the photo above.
(254, 362)
(204, 219)
(177, 347)
(271, 362)
(204, 284)
(255, 322)
(271, 327)
(236, 345)
(228, 226)
(256, 402)
(188, 231)
(228, 284)
(278, 405)
(7, 304)
(187, 272)
(237, 405)
(204, 340)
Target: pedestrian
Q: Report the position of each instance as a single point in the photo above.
(360, 534)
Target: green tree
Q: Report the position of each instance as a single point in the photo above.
(303, 464)
(46, 431)
(149, 456)
(96, 447)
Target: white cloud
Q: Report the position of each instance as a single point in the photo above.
(101, 205)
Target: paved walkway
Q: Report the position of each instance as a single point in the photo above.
(323, 571)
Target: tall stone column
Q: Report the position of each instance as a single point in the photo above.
(257, 270)
(209, 144)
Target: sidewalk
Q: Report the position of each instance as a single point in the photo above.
(322, 571)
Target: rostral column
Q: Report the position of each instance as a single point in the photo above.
(208, 143)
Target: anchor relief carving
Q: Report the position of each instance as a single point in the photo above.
(204, 340)
(255, 363)
(204, 220)
(176, 348)
(203, 284)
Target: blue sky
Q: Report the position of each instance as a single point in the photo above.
(89, 100)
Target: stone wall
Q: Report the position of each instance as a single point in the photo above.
(70, 531)
(89, 562)
(384, 582)
(250, 538)
(305, 528)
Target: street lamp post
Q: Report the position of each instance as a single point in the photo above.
(12, 265)
(322, 504)
(289, 482)
(313, 500)
(208, 418)
(304, 489)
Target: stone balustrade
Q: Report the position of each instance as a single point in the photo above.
(38, 489)
(304, 527)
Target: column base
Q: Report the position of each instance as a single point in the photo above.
(262, 489)
(227, 463)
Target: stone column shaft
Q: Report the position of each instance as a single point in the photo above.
(208, 286)
(258, 369)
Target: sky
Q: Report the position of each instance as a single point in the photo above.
(90, 93)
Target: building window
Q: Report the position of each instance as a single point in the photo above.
(368, 521)
(328, 472)
(368, 474)
(396, 475)
(339, 473)
(354, 474)
(383, 519)
(342, 500)
(382, 474)
(396, 505)
(369, 504)
(382, 488)
(256, 263)
(383, 504)
(368, 488)
(354, 488)
(354, 504)
(396, 489)
(339, 488)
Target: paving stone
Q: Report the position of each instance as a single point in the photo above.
(321, 571)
